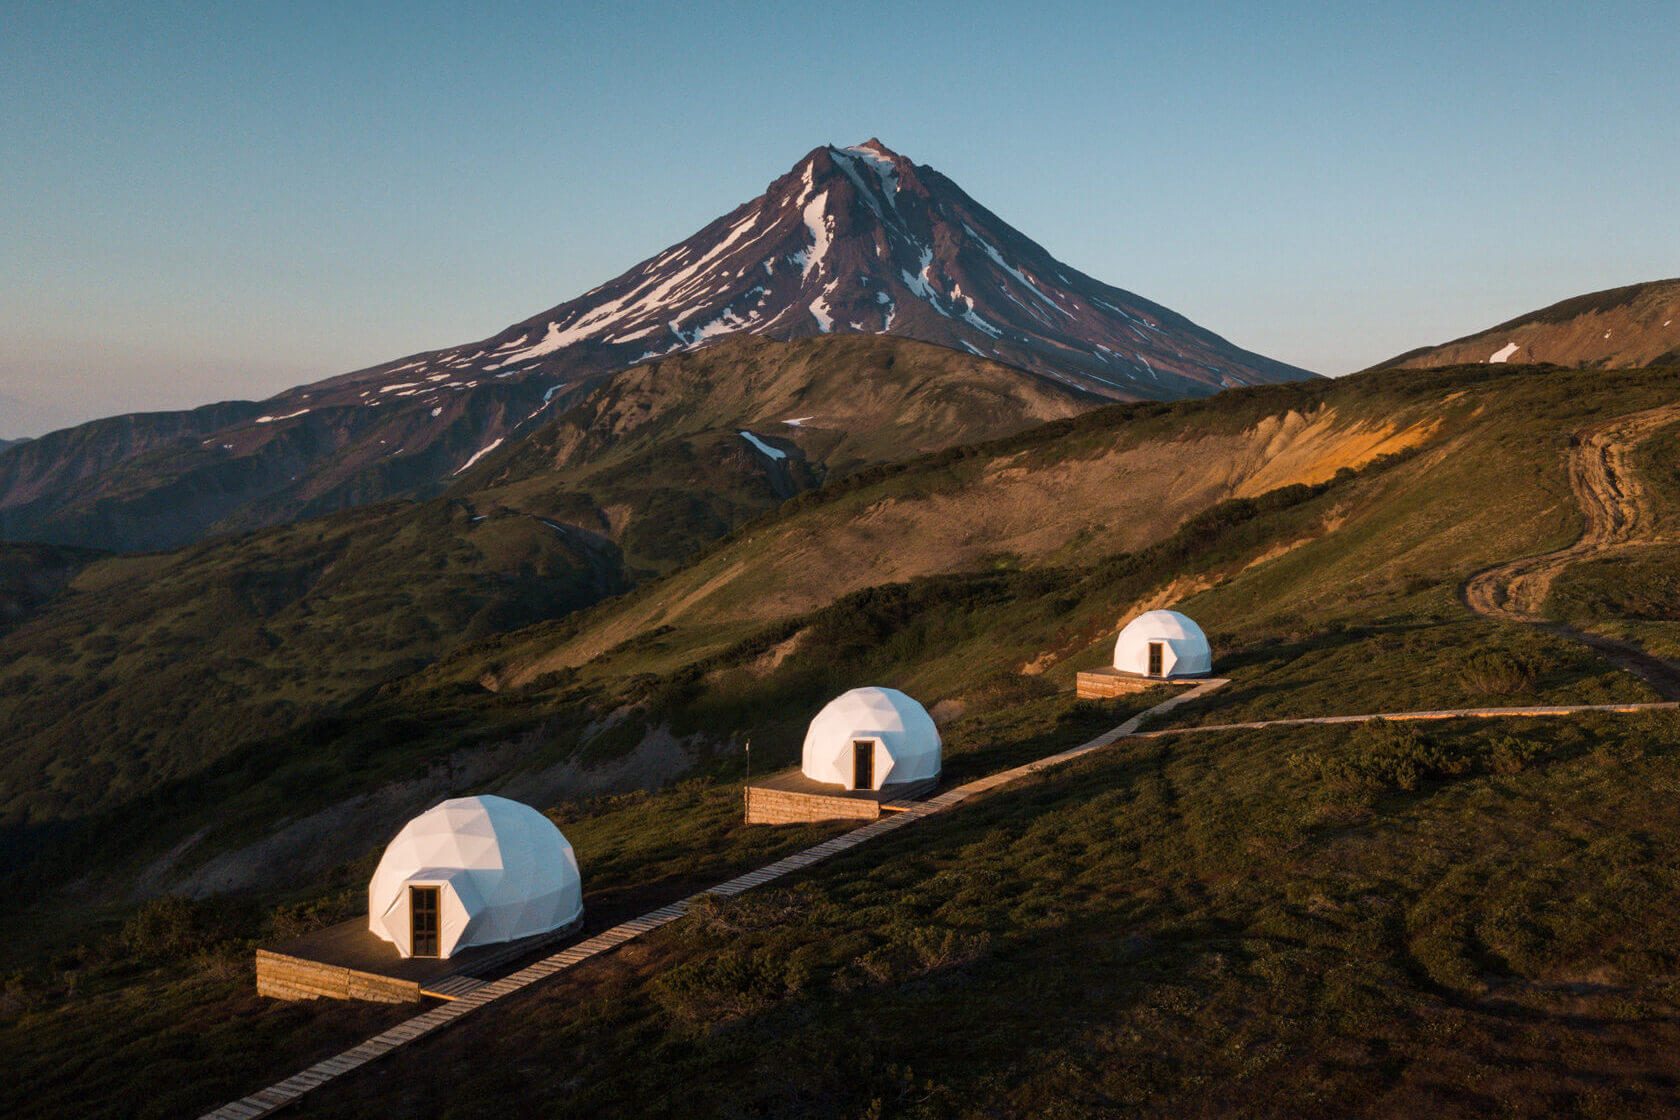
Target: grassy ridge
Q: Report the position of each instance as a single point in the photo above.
(152, 667)
(1382, 547)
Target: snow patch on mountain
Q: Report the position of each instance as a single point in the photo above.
(884, 168)
(922, 283)
(821, 225)
(820, 312)
(480, 453)
(274, 419)
(772, 452)
(969, 315)
(1020, 277)
(726, 323)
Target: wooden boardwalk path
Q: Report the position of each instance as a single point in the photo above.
(279, 1095)
(466, 999)
(1442, 713)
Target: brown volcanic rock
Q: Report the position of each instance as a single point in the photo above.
(852, 240)
(1622, 328)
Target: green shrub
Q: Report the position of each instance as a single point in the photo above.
(1382, 756)
(1497, 673)
(729, 985)
(169, 926)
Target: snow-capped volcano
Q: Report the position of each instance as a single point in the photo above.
(851, 240)
(862, 240)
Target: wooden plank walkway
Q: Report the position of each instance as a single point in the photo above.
(1441, 713)
(466, 998)
(469, 999)
(453, 986)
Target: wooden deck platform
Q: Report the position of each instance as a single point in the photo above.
(350, 961)
(792, 798)
(1106, 684)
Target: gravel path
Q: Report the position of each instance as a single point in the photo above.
(1619, 516)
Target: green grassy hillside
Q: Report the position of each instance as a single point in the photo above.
(1322, 525)
(147, 670)
(1316, 917)
(1455, 471)
(32, 575)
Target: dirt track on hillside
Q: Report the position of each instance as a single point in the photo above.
(1619, 516)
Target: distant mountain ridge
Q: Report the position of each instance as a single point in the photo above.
(851, 240)
(1628, 327)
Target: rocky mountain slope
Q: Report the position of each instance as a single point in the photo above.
(1622, 328)
(673, 453)
(185, 656)
(851, 240)
(863, 240)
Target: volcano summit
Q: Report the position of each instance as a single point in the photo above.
(862, 240)
(851, 240)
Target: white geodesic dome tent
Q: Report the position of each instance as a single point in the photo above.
(1183, 649)
(878, 735)
(500, 870)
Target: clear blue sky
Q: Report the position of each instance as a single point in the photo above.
(204, 201)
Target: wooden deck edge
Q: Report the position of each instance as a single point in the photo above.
(781, 806)
(1108, 684)
(280, 976)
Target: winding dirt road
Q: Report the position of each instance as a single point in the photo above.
(1619, 516)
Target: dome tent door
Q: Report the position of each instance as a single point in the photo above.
(863, 764)
(423, 918)
(1155, 659)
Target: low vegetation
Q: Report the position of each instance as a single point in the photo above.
(1374, 920)
(1333, 922)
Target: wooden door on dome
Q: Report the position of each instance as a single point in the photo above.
(1155, 659)
(423, 921)
(863, 764)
